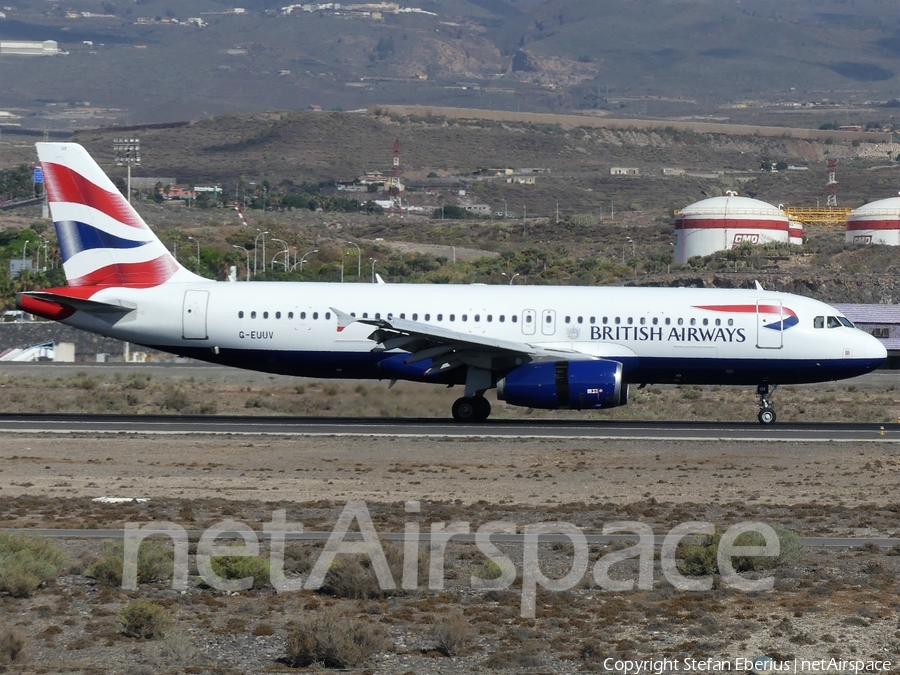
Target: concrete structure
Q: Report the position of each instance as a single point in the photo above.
(881, 321)
(624, 171)
(875, 223)
(23, 48)
(479, 209)
(722, 223)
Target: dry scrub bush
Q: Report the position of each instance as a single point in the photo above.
(144, 619)
(154, 563)
(12, 648)
(235, 567)
(352, 576)
(701, 559)
(26, 562)
(335, 640)
(451, 634)
(177, 648)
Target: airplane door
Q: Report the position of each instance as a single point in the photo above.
(193, 324)
(529, 320)
(548, 322)
(769, 324)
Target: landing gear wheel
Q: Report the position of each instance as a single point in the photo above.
(474, 409)
(465, 410)
(766, 416)
(483, 406)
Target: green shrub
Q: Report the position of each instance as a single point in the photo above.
(154, 563)
(335, 640)
(701, 559)
(488, 570)
(144, 619)
(242, 566)
(26, 562)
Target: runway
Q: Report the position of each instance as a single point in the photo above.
(442, 428)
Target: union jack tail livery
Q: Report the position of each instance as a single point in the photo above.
(103, 240)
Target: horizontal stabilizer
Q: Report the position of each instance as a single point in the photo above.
(80, 304)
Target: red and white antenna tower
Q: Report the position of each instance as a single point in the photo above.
(831, 185)
(394, 189)
(240, 212)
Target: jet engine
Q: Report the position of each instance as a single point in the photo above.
(565, 384)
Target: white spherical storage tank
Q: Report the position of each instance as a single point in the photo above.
(875, 223)
(795, 233)
(722, 223)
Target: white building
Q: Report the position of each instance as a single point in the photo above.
(23, 48)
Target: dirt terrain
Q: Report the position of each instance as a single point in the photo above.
(826, 603)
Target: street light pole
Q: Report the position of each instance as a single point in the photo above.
(286, 252)
(373, 261)
(263, 235)
(248, 258)
(198, 251)
(358, 259)
(128, 152)
(511, 278)
(303, 257)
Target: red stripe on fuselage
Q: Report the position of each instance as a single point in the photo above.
(748, 309)
(65, 185)
(135, 275)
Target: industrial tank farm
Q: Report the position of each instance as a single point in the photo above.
(875, 223)
(722, 223)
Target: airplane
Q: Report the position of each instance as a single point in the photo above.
(549, 347)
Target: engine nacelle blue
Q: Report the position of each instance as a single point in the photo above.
(565, 384)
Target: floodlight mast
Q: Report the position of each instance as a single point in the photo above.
(127, 152)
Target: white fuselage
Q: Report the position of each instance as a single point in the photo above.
(659, 334)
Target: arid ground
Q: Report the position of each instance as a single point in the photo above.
(826, 603)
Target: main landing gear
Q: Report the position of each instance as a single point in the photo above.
(766, 411)
(471, 409)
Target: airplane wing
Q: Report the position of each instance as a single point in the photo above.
(448, 349)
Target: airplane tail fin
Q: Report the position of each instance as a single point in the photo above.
(103, 240)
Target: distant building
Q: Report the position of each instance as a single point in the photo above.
(521, 180)
(672, 172)
(479, 209)
(22, 48)
(315, 107)
(19, 265)
(624, 171)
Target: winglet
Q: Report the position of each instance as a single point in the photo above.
(379, 279)
(759, 286)
(343, 318)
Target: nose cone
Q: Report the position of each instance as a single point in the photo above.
(873, 348)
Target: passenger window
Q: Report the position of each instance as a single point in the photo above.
(528, 319)
(514, 318)
(315, 315)
(693, 322)
(478, 317)
(453, 317)
(502, 318)
(618, 321)
(489, 318)
(730, 322)
(680, 322)
(668, 321)
(402, 315)
(428, 317)
(833, 322)
(440, 317)
(705, 322)
(365, 315)
(265, 315)
(655, 321)
(253, 315)
(277, 315)
(568, 319)
(630, 321)
(291, 315)
(302, 315)
(718, 322)
(465, 317)
(593, 320)
(643, 320)
(549, 318)
(580, 319)
(415, 317)
(377, 315)
(605, 320)
(241, 314)
(327, 315)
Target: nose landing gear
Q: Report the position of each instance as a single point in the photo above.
(766, 411)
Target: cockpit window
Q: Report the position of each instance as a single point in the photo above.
(833, 322)
(819, 322)
(844, 320)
